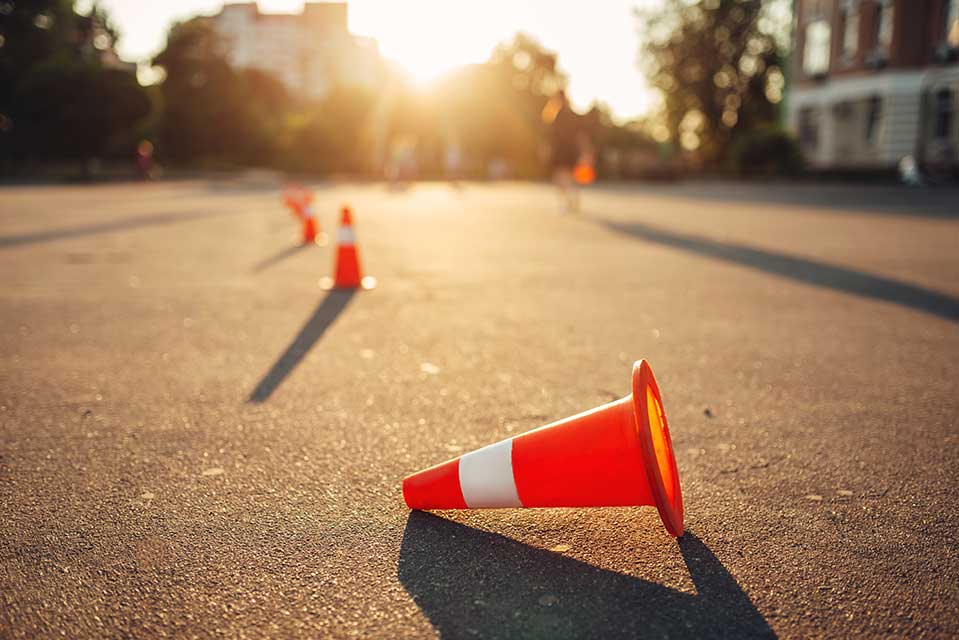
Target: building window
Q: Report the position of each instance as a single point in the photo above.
(945, 110)
(950, 32)
(849, 16)
(885, 12)
(873, 114)
(815, 59)
(808, 128)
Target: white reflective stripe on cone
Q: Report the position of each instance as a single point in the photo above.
(344, 235)
(309, 212)
(486, 477)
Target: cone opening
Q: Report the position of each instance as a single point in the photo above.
(657, 448)
(661, 444)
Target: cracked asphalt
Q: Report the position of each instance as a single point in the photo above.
(197, 441)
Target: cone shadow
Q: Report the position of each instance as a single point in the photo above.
(472, 583)
(324, 316)
(821, 274)
(52, 235)
(279, 257)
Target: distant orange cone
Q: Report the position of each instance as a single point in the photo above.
(618, 454)
(347, 272)
(300, 202)
(309, 229)
(293, 199)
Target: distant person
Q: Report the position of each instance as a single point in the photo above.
(453, 160)
(570, 150)
(144, 160)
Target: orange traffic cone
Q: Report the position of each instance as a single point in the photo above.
(293, 197)
(311, 227)
(347, 268)
(300, 202)
(619, 454)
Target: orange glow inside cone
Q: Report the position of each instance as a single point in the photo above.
(618, 454)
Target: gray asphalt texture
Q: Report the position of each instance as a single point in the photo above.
(196, 441)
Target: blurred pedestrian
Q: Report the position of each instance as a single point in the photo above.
(570, 149)
(144, 160)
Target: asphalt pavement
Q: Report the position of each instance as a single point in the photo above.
(197, 441)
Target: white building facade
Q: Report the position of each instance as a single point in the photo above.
(311, 52)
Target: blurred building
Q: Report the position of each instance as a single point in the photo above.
(875, 81)
(310, 52)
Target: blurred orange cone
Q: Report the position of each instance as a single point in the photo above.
(293, 198)
(348, 274)
(309, 227)
(300, 202)
(618, 454)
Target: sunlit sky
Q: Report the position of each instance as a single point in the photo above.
(596, 41)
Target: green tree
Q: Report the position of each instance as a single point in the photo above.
(717, 65)
(59, 97)
(211, 112)
(77, 110)
(493, 109)
(331, 135)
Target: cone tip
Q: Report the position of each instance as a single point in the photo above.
(435, 488)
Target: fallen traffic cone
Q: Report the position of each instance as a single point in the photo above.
(615, 455)
(347, 268)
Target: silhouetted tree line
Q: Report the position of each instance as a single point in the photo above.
(215, 115)
(63, 94)
(65, 97)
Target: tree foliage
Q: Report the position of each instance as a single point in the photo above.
(58, 98)
(490, 111)
(210, 111)
(717, 65)
(62, 97)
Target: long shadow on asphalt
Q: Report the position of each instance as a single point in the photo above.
(279, 257)
(325, 314)
(472, 583)
(804, 270)
(7, 242)
(891, 200)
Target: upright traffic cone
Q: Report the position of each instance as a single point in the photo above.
(347, 270)
(309, 224)
(293, 197)
(618, 454)
(300, 202)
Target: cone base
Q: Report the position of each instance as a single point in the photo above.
(328, 284)
(657, 448)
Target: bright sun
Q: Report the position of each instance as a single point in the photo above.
(422, 64)
(428, 38)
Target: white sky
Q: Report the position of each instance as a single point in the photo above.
(596, 41)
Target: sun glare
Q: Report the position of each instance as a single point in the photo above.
(422, 63)
(428, 38)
